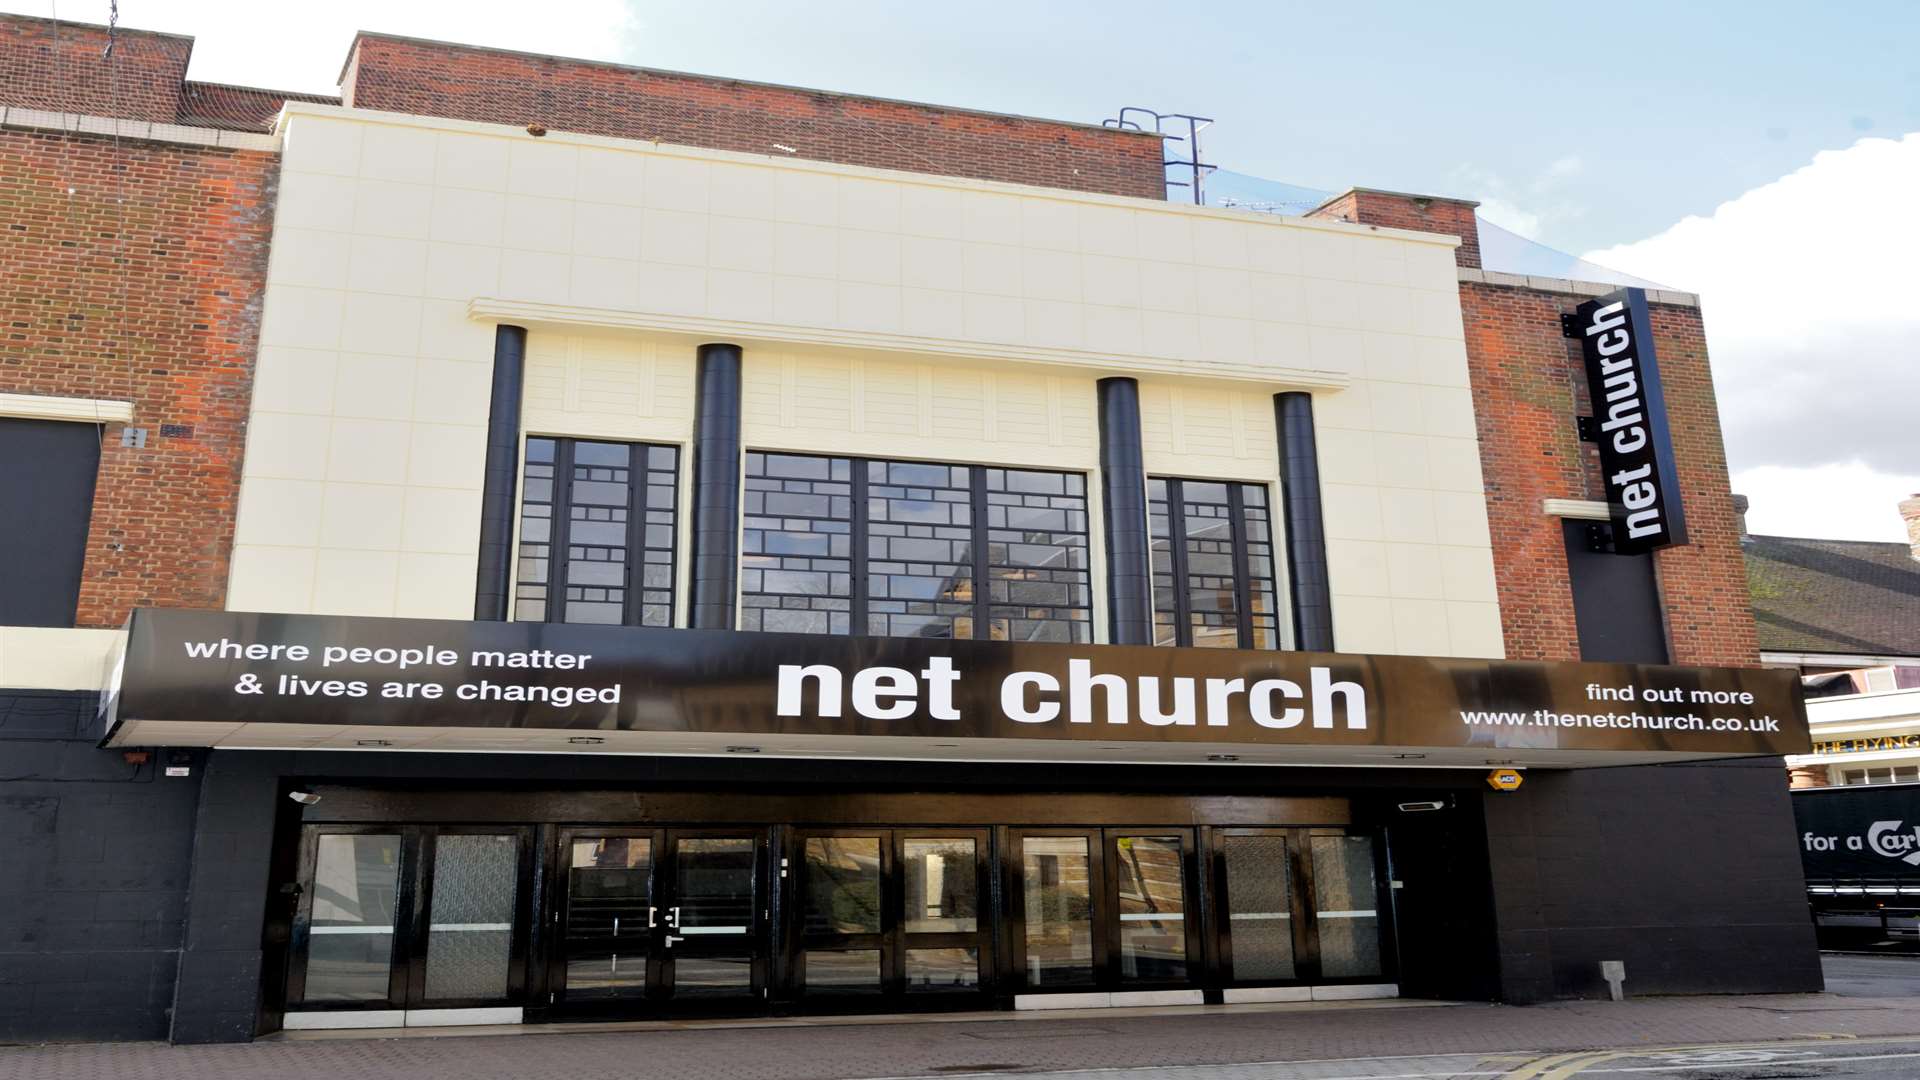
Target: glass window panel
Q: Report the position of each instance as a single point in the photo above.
(476, 881)
(609, 888)
(1153, 929)
(1259, 907)
(1057, 889)
(942, 969)
(843, 885)
(590, 551)
(1037, 557)
(843, 971)
(715, 880)
(1345, 902)
(798, 507)
(941, 881)
(1211, 559)
(350, 944)
(712, 976)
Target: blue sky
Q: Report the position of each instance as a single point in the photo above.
(1750, 151)
(1583, 125)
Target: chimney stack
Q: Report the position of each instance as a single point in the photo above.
(1740, 505)
(1910, 513)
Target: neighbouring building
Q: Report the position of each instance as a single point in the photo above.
(535, 539)
(1846, 615)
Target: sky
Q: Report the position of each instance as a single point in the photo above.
(1749, 150)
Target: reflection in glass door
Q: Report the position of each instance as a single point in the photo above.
(1346, 907)
(1150, 885)
(886, 911)
(607, 935)
(1056, 888)
(941, 878)
(354, 896)
(710, 941)
(410, 917)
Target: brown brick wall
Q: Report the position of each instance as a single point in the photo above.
(462, 82)
(1529, 385)
(157, 302)
(1450, 217)
(61, 66)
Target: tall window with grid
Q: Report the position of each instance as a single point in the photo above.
(900, 549)
(1213, 576)
(597, 528)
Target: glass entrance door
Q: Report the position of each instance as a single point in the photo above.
(891, 912)
(1106, 908)
(1299, 905)
(609, 916)
(660, 918)
(410, 917)
(712, 940)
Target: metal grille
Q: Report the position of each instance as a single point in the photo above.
(899, 549)
(1213, 573)
(795, 568)
(597, 525)
(1038, 573)
(919, 556)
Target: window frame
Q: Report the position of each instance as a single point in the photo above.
(980, 529)
(560, 500)
(1243, 589)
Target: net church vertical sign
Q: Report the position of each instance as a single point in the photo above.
(1630, 421)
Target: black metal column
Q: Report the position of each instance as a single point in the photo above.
(493, 582)
(1123, 502)
(1306, 533)
(715, 557)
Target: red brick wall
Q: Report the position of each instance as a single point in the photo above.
(61, 66)
(434, 79)
(173, 328)
(1451, 217)
(1528, 386)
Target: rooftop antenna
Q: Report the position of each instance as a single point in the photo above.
(1180, 138)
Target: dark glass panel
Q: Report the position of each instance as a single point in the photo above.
(356, 883)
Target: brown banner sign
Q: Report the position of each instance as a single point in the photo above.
(197, 667)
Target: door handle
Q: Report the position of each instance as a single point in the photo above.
(671, 939)
(650, 912)
(616, 926)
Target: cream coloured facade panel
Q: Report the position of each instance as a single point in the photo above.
(880, 314)
(932, 410)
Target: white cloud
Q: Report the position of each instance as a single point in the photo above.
(1846, 501)
(302, 46)
(1812, 305)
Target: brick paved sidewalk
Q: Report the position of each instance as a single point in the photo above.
(1102, 1039)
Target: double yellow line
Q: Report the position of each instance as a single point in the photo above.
(1561, 1066)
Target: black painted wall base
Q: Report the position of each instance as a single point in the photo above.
(1689, 873)
(94, 854)
(142, 903)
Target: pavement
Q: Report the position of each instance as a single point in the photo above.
(1868, 1027)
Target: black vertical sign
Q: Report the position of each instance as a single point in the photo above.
(1630, 420)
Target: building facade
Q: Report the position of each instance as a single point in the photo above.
(1845, 614)
(535, 539)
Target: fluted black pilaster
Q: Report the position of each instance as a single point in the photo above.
(1123, 502)
(715, 557)
(1306, 533)
(493, 581)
